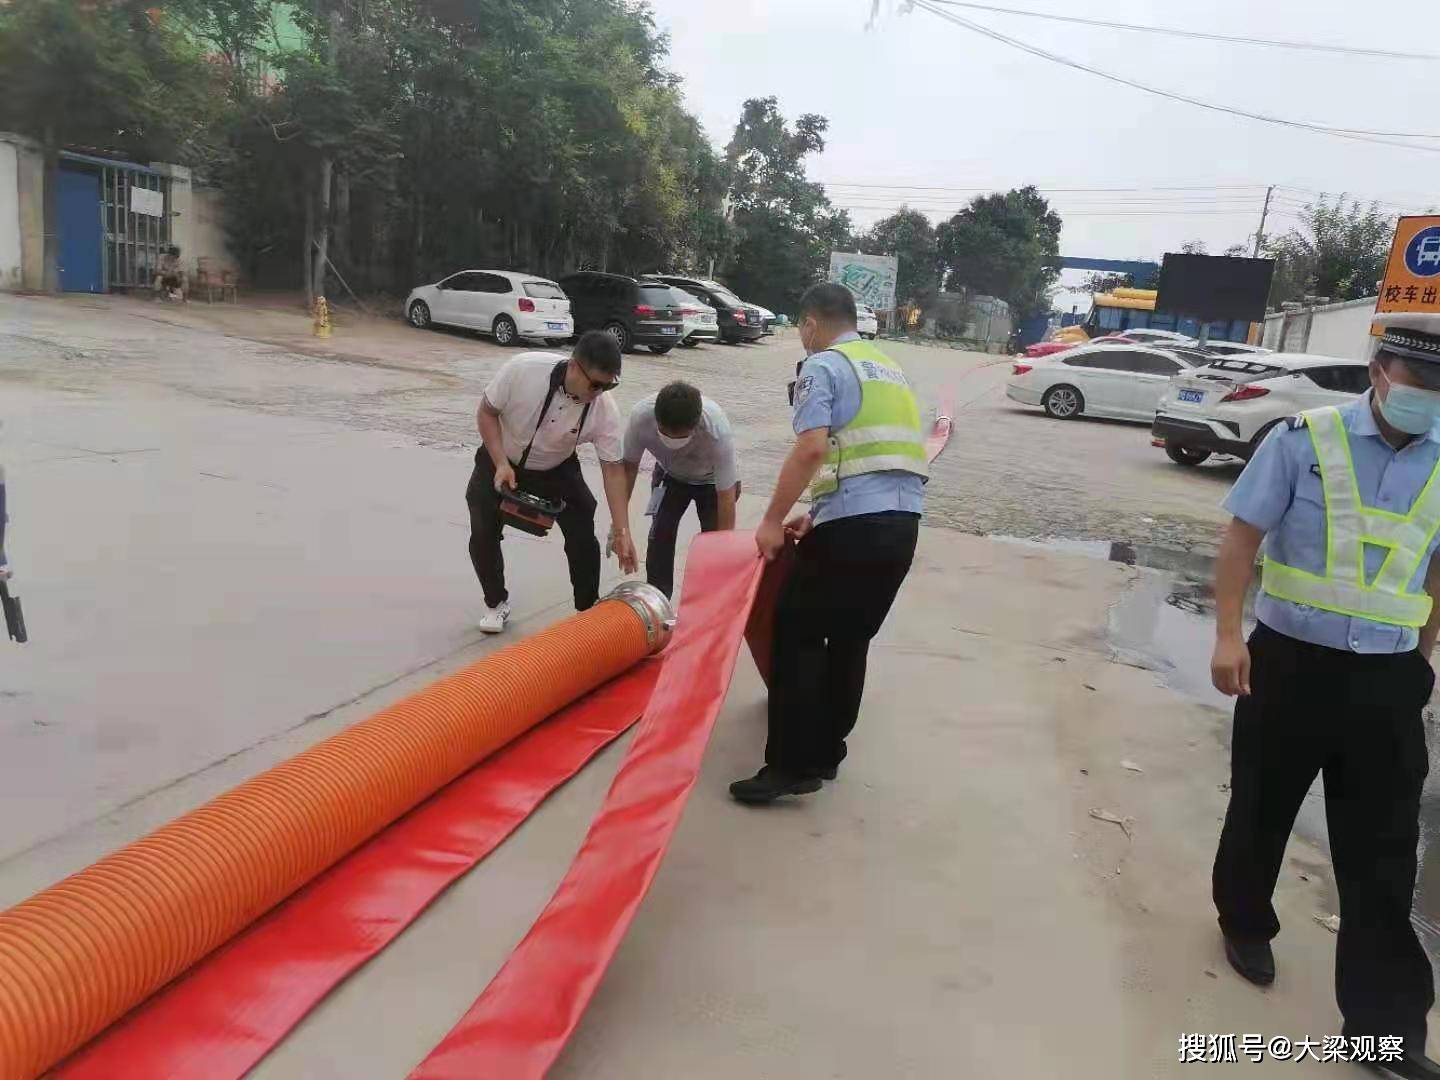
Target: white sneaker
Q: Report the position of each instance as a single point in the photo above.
(493, 621)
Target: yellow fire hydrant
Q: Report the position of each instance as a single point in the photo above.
(322, 317)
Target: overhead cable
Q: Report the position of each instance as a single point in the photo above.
(1385, 138)
(1309, 46)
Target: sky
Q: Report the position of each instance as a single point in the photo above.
(929, 113)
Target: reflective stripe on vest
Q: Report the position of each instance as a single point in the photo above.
(1349, 526)
(885, 435)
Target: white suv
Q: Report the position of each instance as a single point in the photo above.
(1230, 405)
(505, 304)
(866, 322)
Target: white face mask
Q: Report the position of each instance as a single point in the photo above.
(670, 442)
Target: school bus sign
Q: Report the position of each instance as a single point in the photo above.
(1412, 276)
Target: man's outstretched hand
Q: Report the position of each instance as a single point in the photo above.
(624, 549)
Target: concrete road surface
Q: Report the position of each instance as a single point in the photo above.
(234, 540)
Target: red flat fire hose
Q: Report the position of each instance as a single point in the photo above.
(519, 1025)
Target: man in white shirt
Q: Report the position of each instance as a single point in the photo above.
(690, 439)
(535, 413)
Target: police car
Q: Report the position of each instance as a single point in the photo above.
(1230, 405)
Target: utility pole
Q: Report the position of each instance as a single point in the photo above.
(1264, 213)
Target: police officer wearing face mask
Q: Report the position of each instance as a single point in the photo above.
(690, 439)
(1335, 677)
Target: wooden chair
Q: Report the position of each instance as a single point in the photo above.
(207, 281)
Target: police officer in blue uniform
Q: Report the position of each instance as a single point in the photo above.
(860, 449)
(1334, 678)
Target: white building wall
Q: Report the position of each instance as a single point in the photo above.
(1343, 330)
(1333, 330)
(208, 240)
(11, 267)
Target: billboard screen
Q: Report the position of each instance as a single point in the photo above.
(1215, 287)
(870, 277)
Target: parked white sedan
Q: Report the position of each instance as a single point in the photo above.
(697, 318)
(1122, 383)
(503, 303)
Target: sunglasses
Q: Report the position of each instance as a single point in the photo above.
(595, 385)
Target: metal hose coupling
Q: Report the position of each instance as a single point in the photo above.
(653, 607)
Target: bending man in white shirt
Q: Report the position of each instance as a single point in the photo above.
(535, 413)
(690, 439)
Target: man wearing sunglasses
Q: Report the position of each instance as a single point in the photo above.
(535, 414)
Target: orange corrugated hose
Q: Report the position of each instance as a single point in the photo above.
(77, 956)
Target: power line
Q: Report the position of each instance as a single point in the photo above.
(863, 195)
(940, 190)
(1067, 200)
(1386, 138)
(1044, 190)
(1403, 206)
(1310, 46)
(1066, 214)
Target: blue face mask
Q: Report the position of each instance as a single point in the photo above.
(1408, 408)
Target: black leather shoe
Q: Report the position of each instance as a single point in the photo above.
(1252, 959)
(770, 784)
(828, 774)
(1413, 1066)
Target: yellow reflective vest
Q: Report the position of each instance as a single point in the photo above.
(1349, 526)
(885, 435)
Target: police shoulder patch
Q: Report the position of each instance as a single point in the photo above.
(802, 387)
(1295, 423)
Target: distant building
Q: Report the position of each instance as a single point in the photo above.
(982, 319)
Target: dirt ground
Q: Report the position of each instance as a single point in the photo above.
(1012, 471)
(234, 539)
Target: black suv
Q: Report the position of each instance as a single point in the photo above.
(738, 320)
(635, 312)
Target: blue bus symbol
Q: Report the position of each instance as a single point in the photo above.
(1422, 254)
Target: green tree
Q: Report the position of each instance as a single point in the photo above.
(107, 76)
(1004, 245)
(785, 227)
(1338, 250)
(908, 235)
(1101, 282)
(401, 139)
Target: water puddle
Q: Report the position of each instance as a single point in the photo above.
(1165, 623)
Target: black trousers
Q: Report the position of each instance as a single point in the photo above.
(577, 524)
(665, 525)
(846, 576)
(1357, 719)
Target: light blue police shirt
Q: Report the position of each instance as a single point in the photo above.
(1280, 493)
(827, 394)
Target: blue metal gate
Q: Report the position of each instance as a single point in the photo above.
(81, 267)
(130, 205)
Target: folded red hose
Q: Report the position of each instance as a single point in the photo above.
(519, 1025)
